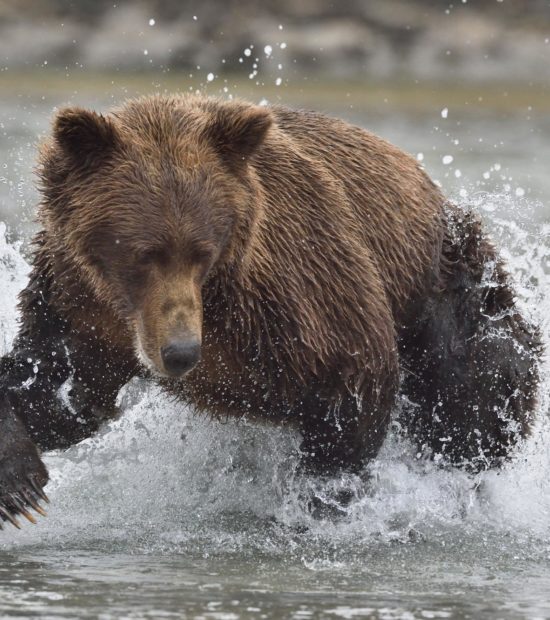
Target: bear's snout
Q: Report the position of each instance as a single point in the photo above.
(180, 356)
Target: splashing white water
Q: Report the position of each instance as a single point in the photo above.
(162, 479)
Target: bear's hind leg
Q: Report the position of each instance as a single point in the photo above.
(473, 361)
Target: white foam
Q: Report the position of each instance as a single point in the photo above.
(160, 478)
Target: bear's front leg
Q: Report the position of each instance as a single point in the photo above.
(30, 377)
(22, 473)
(56, 387)
(343, 432)
(340, 435)
(55, 393)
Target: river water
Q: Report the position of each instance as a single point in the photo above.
(168, 515)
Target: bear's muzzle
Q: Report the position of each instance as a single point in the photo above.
(180, 356)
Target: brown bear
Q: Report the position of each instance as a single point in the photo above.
(262, 262)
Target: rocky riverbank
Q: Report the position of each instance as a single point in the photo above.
(422, 39)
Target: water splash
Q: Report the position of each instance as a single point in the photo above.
(160, 479)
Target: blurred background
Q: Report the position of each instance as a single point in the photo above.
(358, 39)
(463, 85)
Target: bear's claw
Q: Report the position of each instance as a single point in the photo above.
(22, 476)
(17, 503)
(7, 516)
(38, 490)
(33, 503)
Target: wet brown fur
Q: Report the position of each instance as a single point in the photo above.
(314, 260)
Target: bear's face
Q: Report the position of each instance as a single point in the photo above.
(148, 203)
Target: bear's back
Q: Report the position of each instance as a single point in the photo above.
(390, 202)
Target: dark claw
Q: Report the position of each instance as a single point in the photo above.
(9, 517)
(38, 490)
(19, 504)
(17, 501)
(31, 501)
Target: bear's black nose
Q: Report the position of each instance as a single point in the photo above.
(180, 356)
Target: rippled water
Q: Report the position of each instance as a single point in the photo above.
(165, 514)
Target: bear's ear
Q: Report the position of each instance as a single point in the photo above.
(84, 135)
(237, 130)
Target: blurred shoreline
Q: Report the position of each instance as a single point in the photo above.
(107, 88)
(466, 40)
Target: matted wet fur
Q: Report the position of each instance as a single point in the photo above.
(308, 259)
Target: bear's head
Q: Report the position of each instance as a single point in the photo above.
(147, 203)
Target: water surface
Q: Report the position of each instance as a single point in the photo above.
(165, 514)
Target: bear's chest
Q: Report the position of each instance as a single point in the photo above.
(236, 383)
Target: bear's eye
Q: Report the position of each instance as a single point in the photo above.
(149, 256)
(99, 263)
(203, 259)
(201, 254)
